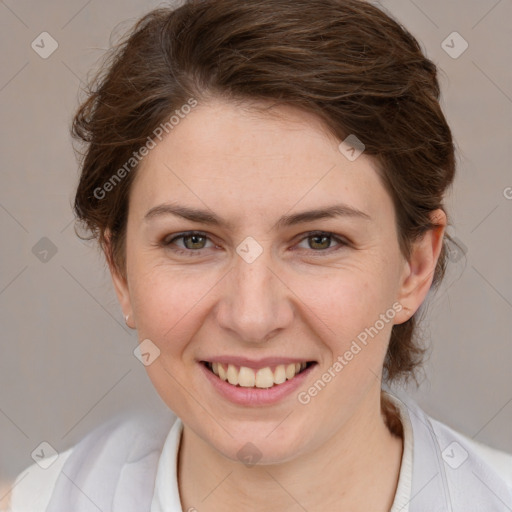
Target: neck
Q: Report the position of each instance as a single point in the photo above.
(357, 469)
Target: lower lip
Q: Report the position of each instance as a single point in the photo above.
(255, 396)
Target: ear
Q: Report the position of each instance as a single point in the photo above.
(120, 283)
(419, 269)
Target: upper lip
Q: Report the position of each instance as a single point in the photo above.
(255, 363)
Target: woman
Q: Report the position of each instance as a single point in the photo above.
(266, 180)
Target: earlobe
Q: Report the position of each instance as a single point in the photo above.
(420, 268)
(120, 283)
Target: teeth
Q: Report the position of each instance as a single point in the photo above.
(232, 375)
(262, 378)
(246, 377)
(290, 371)
(279, 374)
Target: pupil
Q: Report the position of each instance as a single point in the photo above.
(194, 239)
(322, 238)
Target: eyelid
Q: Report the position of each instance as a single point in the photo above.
(319, 232)
(185, 234)
(342, 242)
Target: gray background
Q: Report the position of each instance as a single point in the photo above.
(66, 360)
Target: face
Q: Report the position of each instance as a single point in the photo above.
(254, 282)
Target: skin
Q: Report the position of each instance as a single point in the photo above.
(300, 298)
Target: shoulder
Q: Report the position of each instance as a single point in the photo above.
(119, 440)
(453, 449)
(33, 487)
(499, 461)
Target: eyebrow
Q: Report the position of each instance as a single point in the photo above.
(208, 217)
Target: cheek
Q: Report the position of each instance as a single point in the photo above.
(347, 299)
(168, 309)
(166, 303)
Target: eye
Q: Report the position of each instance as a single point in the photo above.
(193, 242)
(320, 241)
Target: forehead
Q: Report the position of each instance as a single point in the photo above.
(246, 161)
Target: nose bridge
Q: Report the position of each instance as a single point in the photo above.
(255, 304)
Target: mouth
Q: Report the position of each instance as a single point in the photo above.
(261, 378)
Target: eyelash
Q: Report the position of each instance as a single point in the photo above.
(198, 252)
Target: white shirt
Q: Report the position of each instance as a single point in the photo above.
(34, 486)
(166, 497)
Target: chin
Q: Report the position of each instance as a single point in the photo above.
(255, 443)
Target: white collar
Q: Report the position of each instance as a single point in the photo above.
(404, 487)
(166, 496)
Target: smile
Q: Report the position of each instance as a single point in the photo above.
(262, 378)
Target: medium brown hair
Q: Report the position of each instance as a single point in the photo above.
(346, 61)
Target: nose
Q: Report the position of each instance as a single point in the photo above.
(255, 303)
